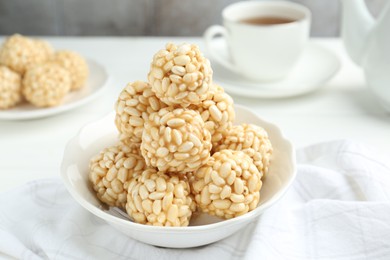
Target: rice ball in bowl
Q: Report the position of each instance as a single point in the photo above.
(175, 140)
(180, 75)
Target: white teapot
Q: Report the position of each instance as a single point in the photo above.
(367, 42)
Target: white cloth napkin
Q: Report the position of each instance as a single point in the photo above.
(338, 208)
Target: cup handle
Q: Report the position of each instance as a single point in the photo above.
(209, 35)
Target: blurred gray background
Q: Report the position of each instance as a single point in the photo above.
(141, 17)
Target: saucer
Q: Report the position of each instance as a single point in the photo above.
(315, 66)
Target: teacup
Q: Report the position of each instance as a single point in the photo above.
(264, 38)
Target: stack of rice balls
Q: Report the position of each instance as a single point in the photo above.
(178, 151)
(31, 70)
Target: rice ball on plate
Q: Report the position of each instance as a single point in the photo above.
(45, 85)
(10, 88)
(19, 52)
(75, 64)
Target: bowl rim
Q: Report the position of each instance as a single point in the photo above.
(200, 228)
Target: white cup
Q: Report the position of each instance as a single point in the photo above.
(261, 52)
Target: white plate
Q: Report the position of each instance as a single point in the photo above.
(96, 83)
(202, 230)
(316, 66)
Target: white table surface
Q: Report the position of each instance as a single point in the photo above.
(342, 108)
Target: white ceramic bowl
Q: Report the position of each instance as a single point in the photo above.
(204, 229)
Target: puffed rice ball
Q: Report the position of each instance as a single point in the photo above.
(10, 88)
(75, 64)
(180, 75)
(45, 85)
(19, 52)
(45, 48)
(175, 140)
(159, 199)
(111, 170)
(251, 139)
(134, 105)
(228, 186)
(217, 112)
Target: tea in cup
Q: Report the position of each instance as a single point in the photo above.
(265, 38)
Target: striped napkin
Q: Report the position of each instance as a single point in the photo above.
(338, 208)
